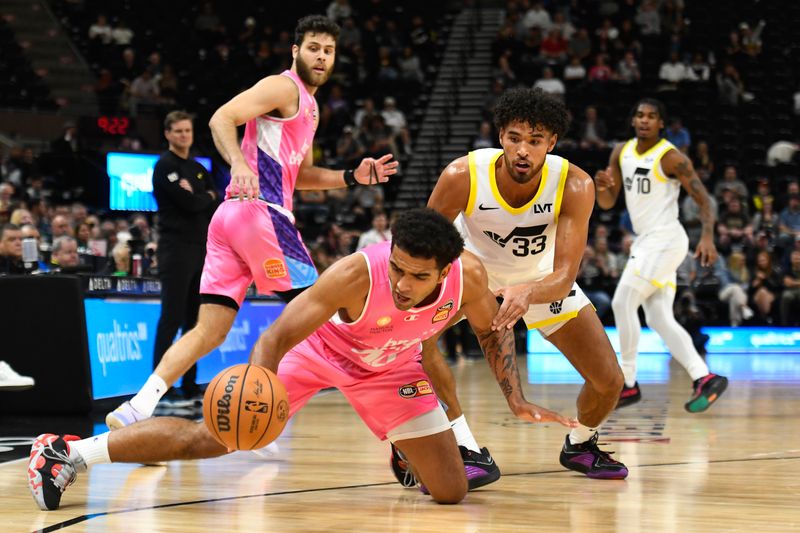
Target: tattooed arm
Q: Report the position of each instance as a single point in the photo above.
(675, 164)
(479, 305)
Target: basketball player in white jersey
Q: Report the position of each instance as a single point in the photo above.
(525, 213)
(652, 171)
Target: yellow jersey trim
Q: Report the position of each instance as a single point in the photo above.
(656, 283)
(657, 166)
(473, 183)
(658, 146)
(554, 320)
(499, 197)
(560, 192)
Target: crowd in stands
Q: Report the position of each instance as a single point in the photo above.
(599, 56)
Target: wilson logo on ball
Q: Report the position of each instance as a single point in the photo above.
(224, 406)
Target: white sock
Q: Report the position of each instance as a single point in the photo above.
(463, 434)
(147, 398)
(582, 433)
(87, 452)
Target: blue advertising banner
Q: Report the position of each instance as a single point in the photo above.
(745, 353)
(121, 336)
(721, 340)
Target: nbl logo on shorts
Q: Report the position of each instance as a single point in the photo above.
(412, 390)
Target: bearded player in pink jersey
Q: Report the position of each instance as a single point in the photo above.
(365, 341)
(256, 239)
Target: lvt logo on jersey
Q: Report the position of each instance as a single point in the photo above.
(542, 208)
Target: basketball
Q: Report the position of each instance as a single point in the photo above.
(245, 407)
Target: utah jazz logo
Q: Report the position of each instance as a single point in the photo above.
(642, 181)
(528, 240)
(556, 307)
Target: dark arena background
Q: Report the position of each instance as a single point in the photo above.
(85, 86)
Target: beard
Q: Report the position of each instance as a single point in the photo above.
(518, 177)
(308, 76)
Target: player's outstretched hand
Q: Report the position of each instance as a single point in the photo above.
(603, 179)
(372, 171)
(515, 304)
(534, 413)
(244, 182)
(706, 251)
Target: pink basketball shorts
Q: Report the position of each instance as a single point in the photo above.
(383, 400)
(251, 240)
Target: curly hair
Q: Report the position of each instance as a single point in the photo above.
(532, 106)
(659, 106)
(315, 24)
(423, 232)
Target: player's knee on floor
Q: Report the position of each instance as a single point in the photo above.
(450, 492)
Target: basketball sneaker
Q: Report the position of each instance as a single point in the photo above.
(401, 468)
(706, 391)
(122, 416)
(50, 471)
(10, 380)
(479, 467)
(587, 458)
(629, 395)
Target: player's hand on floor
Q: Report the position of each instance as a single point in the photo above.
(244, 182)
(533, 413)
(372, 171)
(515, 304)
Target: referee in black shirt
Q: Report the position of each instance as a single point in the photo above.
(186, 200)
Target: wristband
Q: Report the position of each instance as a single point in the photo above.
(350, 178)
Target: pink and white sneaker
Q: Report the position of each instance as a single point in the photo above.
(50, 471)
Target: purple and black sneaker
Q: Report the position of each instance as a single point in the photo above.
(479, 467)
(587, 458)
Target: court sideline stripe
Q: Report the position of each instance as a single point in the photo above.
(84, 518)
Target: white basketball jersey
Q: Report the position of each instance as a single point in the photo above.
(515, 244)
(650, 196)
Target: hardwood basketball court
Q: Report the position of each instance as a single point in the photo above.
(734, 468)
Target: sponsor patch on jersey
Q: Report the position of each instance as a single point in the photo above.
(418, 388)
(443, 312)
(384, 321)
(172, 177)
(275, 268)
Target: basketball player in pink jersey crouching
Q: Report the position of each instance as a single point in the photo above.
(257, 240)
(359, 328)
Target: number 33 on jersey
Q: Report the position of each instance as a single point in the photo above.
(512, 241)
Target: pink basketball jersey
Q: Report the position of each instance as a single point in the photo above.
(384, 336)
(275, 147)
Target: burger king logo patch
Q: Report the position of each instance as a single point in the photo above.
(275, 268)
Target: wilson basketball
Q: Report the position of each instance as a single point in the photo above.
(245, 407)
